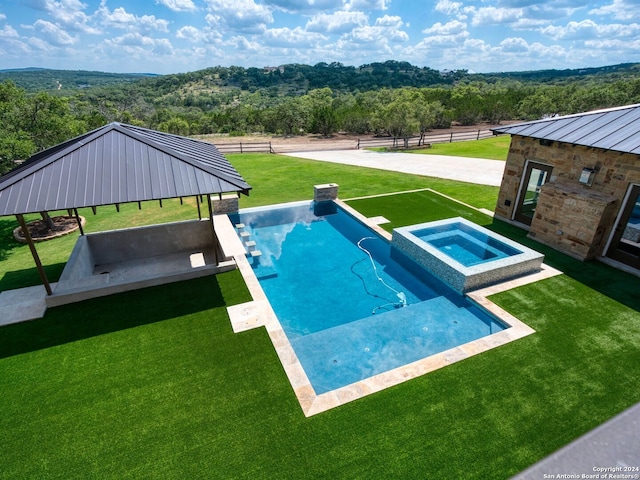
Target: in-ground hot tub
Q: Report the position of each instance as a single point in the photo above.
(465, 255)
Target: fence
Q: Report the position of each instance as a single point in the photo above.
(387, 142)
(245, 147)
(397, 142)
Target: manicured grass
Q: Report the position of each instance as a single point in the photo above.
(154, 384)
(417, 207)
(494, 148)
(279, 178)
(274, 178)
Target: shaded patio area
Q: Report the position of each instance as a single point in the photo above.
(113, 165)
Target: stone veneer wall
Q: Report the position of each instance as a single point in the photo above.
(225, 204)
(325, 192)
(573, 220)
(598, 204)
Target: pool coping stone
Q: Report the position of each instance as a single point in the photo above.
(259, 313)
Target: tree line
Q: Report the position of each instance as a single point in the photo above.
(240, 101)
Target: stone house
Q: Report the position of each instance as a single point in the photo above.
(574, 183)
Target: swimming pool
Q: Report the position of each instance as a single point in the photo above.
(351, 305)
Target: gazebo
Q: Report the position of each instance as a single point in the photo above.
(114, 165)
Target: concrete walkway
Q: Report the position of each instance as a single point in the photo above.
(472, 170)
(22, 304)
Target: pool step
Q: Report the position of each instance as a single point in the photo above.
(265, 273)
(249, 245)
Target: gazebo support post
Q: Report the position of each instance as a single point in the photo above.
(34, 253)
(213, 230)
(75, 212)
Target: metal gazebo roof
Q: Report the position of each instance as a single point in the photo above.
(115, 164)
(616, 129)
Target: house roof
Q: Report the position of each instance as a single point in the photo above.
(117, 163)
(615, 129)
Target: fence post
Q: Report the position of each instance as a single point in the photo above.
(358, 145)
(451, 138)
(478, 137)
(240, 147)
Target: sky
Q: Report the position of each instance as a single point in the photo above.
(175, 36)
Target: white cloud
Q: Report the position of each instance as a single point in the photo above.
(304, 6)
(178, 5)
(588, 29)
(40, 45)
(120, 18)
(378, 35)
(135, 45)
(448, 7)
(625, 10)
(189, 33)
(608, 45)
(8, 32)
(495, 16)
(454, 27)
(286, 37)
(337, 22)
(242, 43)
(241, 15)
(367, 5)
(54, 34)
(392, 21)
(67, 13)
(514, 45)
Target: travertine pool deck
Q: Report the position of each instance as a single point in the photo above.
(258, 313)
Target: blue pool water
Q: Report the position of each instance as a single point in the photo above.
(465, 245)
(350, 312)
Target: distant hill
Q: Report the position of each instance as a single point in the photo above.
(209, 87)
(558, 75)
(43, 79)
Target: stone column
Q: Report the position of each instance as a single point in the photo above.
(225, 204)
(323, 193)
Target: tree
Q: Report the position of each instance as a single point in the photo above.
(29, 124)
(323, 116)
(15, 143)
(49, 121)
(407, 115)
(467, 103)
(290, 117)
(175, 125)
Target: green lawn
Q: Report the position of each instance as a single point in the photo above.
(494, 148)
(154, 384)
(274, 178)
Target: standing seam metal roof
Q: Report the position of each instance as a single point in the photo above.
(615, 129)
(117, 163)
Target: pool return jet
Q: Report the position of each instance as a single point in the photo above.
(401, 295)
